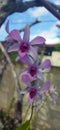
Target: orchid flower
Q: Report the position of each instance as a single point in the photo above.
(36, 91)
(35, 71)
(25, 47)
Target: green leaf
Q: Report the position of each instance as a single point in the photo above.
(25, 126)
(13, 56)
(4, 113)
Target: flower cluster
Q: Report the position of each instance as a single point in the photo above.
(33, 74)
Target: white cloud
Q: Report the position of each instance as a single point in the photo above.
(57, 2)
(37, 12)
(58, 22)
(50, 35)
(53, 41)
(18, 21)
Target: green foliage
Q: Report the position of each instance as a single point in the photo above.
(4, 113)
(13, 56)
(25, 126)
(57, 47)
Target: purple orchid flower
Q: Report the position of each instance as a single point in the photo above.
(25, 47)
(35, 71)
(36, 92)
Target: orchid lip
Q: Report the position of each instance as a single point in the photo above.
(33, 92)
(24, 47)
(33, 70)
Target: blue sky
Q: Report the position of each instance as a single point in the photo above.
(47, 28)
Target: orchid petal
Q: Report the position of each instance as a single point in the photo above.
(45, 66)
(9, 39)
(21, 54)
(40, 76)
(13, 48)
(25, 91)
(25, 59)
(38, 41)
(38, 100)
(36, 48)
(32, 94)
(17, 58)
(33, 54)
(15, 35)
(45, 87)
(26, 78)
(7, 27)
(26, 34)
(30, 100)
(23, 71)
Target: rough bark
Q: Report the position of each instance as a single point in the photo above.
(7, 7)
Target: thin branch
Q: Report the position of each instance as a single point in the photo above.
(11, 65)
(32, 24)
(48, 5)
(11, 6)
